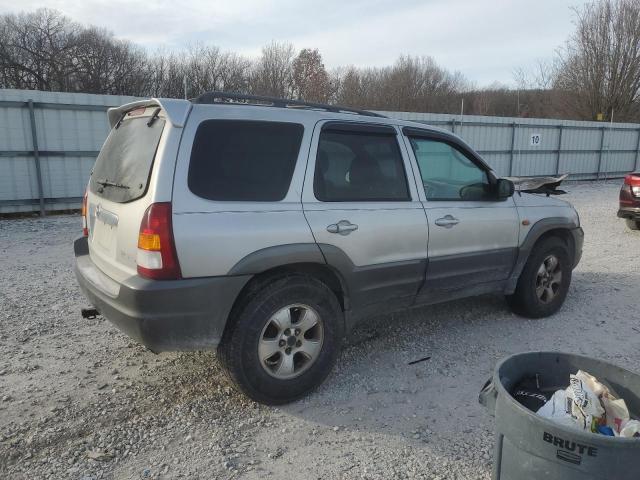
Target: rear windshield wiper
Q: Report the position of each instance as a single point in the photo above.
(117, 125)
(107, 183)
(153, 116)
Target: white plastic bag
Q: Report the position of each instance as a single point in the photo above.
(592, 382)
(558, 410)
(587, 404)
(586, 408)
(631, 429)
(617, 413)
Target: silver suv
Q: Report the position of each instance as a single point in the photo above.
(268, 228)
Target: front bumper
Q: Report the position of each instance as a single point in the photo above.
(163, 315)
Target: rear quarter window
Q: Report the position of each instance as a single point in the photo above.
(123, 167)
(236, 160)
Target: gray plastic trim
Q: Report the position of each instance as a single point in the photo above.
(278, 256)
(537, 230)
(379, 288)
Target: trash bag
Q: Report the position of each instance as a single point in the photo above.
(592, 382)
(617, 413)
(558, 409)
(529, 393)
(631, 429)
(586, 408)
(588, 404)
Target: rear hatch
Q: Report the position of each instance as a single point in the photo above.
(120, 190)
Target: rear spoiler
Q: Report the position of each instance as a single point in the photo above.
(177, 111)
(546, 185)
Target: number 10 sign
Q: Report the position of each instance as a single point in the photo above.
(535, 140)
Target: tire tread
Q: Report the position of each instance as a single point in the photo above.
(258, 297)
(524, 301)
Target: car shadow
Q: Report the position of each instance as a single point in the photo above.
(422, 369)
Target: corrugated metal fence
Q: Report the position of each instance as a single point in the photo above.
(535, 146)
(48, 144)
(49, 141)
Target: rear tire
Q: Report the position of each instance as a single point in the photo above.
(283, 340)
(544, 281)
(633, 224)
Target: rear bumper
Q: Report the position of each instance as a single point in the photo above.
(186, 314)
(629, 213)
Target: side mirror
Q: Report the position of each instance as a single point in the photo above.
(505, 188)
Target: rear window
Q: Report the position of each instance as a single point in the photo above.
(234, 160)
(123, 167)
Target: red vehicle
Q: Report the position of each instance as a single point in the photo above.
(630, 201)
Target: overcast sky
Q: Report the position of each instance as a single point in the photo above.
(483, 39)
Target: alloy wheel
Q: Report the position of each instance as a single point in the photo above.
(548, 279)
(290, 341)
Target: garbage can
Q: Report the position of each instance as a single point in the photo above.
(530, 447)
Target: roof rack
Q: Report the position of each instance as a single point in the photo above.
(245, 99)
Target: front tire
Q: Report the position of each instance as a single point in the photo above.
(633, 224)
(544, 281)
(283, 340)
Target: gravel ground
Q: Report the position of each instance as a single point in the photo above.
(79, 400)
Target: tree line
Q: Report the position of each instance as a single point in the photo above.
(594, 75)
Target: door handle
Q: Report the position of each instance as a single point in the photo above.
(448, 221)
(343, 227)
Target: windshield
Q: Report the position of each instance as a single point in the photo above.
(123, 167)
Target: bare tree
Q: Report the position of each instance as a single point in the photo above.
(47, 51)
(166, 75)
(273, 73)
(411, 84)
(235, 73)
(541, 76)
(36, 50)
(107, 65)
(202, 68)
(600, 64)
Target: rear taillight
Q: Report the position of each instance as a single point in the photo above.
(633, 181)
(157, 258)
(83, 210)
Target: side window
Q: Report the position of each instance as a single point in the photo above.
(234, 160)
(448, 174)
(359, 167)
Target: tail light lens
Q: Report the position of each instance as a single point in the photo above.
(84, 212)
(156, 257)
(634, 182)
